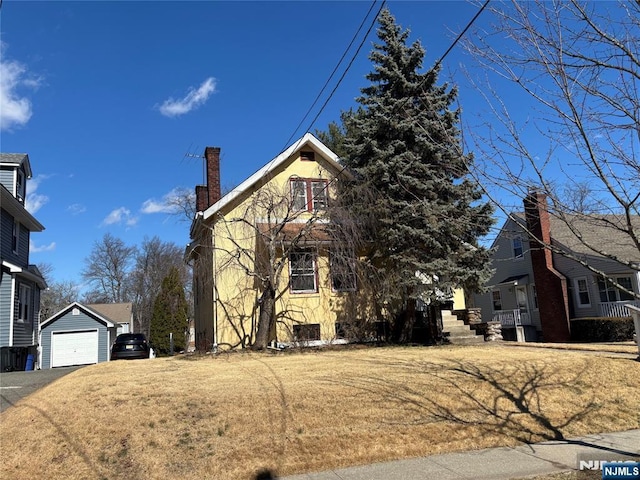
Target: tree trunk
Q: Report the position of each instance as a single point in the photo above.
(403, 327)
(266, 320)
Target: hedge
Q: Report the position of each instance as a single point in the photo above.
(602, 329)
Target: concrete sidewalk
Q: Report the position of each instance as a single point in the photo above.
(496, 463)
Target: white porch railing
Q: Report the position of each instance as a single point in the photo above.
(617, 309)
(512, 318)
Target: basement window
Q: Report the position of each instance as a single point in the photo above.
(307, 332)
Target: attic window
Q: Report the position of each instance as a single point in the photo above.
(308, 156)
(75, 311)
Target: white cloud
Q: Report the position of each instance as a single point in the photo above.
(15, 110)
(120, 215)
(33, 248)
(194, 99)
(170, 203)
(76, 209)
(35, 201)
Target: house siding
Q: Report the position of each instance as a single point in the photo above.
(572, 270)
(6, 281)
(70, 323)
(506, 266)
(23, 331)
(7, 177)
(226, 298)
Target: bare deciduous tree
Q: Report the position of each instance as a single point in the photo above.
(107, 269)
(562, 80)
(153, 262)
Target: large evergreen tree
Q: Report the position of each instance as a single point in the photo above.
(170, 312)
(420, 212)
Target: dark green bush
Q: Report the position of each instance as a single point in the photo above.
(604, 329)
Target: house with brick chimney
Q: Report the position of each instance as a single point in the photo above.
(268, 233)
(542, 278)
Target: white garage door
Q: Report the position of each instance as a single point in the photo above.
(74, 348)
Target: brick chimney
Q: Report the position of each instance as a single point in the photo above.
(207, 195)
(551, 285)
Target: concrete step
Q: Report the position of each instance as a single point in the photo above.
(458, 330)
(466, 340)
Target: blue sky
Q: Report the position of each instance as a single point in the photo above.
(111, 100)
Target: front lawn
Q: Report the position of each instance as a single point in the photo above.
(229, 416)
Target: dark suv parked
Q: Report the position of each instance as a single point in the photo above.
(130, 346)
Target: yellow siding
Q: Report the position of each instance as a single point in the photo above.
(237, 292)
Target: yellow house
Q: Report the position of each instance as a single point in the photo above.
(265, 250)
(271, 230)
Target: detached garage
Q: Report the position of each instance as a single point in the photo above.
(76, 335)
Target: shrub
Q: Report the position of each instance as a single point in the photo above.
(602, 329)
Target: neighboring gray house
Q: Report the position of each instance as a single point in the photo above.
(20, 282)
(535, 292)
(82, 334)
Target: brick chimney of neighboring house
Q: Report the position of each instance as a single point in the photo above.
(551, 285)
(207, 195)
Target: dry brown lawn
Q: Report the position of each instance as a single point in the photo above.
(229, 416)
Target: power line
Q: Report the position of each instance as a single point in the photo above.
(336, 67)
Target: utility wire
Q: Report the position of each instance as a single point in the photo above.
(444, 55)
(336, 68)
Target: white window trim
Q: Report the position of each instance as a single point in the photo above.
(314, 259)
(310, 200)
(576, 292)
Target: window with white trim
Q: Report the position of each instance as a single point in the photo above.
(303, 273)
(581, 288)
(610, 293)
(518, 249)
(309, 194)
(24, 303)
(496, 300)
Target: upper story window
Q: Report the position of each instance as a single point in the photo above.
(24, 303)
(518, 249)
(582, 292)
(15, 236)
(20, 186)
(609, 293)
(303, 271)
(309, 194)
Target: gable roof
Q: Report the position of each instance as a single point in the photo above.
(16, 159)
(307, 140)
(117, 312)
(604, 232)
(92, 313)
(16, 209)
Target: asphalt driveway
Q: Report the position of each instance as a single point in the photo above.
(17, 385)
